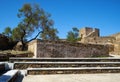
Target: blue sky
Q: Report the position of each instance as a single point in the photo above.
(102, 14)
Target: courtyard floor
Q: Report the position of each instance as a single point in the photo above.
(107, 77)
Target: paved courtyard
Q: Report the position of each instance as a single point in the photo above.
(114, 77)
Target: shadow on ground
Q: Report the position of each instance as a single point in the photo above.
(19, 78)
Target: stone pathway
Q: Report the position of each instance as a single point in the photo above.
(115, 56)
(114, 77)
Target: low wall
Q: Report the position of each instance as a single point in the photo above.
(32, 47)
(66, 49)
(116, 48)
(98, 40)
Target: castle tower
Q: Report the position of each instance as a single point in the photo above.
(89, 32)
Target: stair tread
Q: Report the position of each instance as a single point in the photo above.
(8, 75)
(76, 68)
(62, 58)
(67, 62)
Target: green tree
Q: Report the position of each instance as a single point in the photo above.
(33, 18)
(73, 36)
(49, 34)
(7, 32)
(17, 34)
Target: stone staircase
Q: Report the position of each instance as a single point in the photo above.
(2, 68)
(35, 66)
(7, 74)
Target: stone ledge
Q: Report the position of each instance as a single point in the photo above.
(37, 71)
(80, 68)
(66, 62)
(9, 76)
(25, 65)
(21, 58)
(64, 59)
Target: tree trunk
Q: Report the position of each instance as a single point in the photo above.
(35, 36)
(23, 45)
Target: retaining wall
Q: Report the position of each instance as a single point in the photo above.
(66, 49)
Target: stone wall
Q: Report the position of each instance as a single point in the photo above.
(98, 40)
(32, 47)
(116, 48)
(89, 32)
(91, 36)
(65, 49)
(103, 41)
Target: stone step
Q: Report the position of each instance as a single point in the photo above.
(2, 66)
(107, 59)
(4, 57)
(25, 65)
(9, 76)
(37, 71)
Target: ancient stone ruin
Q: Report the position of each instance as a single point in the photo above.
(91, 45)
(92, 36)
(66, 49)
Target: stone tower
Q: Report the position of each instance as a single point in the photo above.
(89, 32)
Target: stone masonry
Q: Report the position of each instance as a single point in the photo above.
(91, 44)
(66, 49)
(92, 36)
(89, 32)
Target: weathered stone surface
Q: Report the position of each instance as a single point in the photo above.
(9, 76)
(102, 59)
(65, 49)
(25, 65)
(89, 32)
(91, 35)
(36, 71)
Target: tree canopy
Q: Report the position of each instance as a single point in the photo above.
(7, 32)
(73, 36)
(49, 34)
(33, 19)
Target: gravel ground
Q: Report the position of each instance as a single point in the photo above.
(114, 77)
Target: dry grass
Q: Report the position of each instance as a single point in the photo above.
(14, 52)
